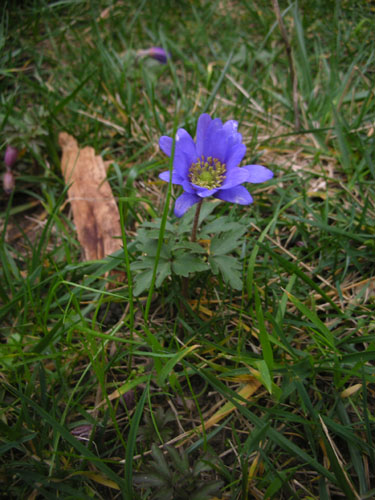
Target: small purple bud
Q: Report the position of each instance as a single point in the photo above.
(8, 182)
(128, 399)
(159, 54)
(82, 432)
(11, 155)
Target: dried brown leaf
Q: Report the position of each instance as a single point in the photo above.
(95, 212)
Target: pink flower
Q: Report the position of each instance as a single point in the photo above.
(8, 182)
(10, 157)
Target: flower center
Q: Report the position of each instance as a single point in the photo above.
(207, 172)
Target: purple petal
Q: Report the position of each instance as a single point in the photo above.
(237, 194)
(184, 202)
(202, 126)
(181, 165)
(230, 128)
(186, 145)
(258, 174)
(165, 144)
(235, 155)
(216, 143)
(204, 192)
(165, 176)
(184, 155)
(188, 187)
(235, 177)
(159, 54)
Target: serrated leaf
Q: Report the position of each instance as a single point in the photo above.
(213, 265)
(225, 243)
(160, 462)
(185, 264)
(146, 245)
(142, 282)
(164, 270)
(150, 246)
(229, 269)
(151, 480)
(181, 463)
(189, 245)
(207, 489)
(156, 225)
(142, 263)
(220, 225)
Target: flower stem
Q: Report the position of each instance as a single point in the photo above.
(185, 281)
(195, 223)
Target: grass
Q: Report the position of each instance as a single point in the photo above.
(264, 392)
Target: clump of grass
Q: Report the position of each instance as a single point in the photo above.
(275, 380)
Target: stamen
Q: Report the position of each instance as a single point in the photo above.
(207, 172)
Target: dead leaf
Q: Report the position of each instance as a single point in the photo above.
(245, 392)
(97, 478)
(349, 391)
(95, 212)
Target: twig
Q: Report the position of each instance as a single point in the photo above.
(293, 74)
(195, 223)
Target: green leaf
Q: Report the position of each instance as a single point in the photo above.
(160, 462)
(164, 270)
(148, 246)
(142, 282)
(229, 269)
(223, 244)
(143, 263)
(207, 490)
(220, 225)
(315, 320)
(131, 442)
(189, 245)
(185, 264)
(264, 374)
(47, 419)
(263, 334)
(168, 367)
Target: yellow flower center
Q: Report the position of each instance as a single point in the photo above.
(207, 172)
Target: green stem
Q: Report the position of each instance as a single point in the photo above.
(185, 281)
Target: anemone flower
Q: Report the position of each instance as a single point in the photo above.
(209, 166)
(157, 53)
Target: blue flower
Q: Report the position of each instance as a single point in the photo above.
(209, 166)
